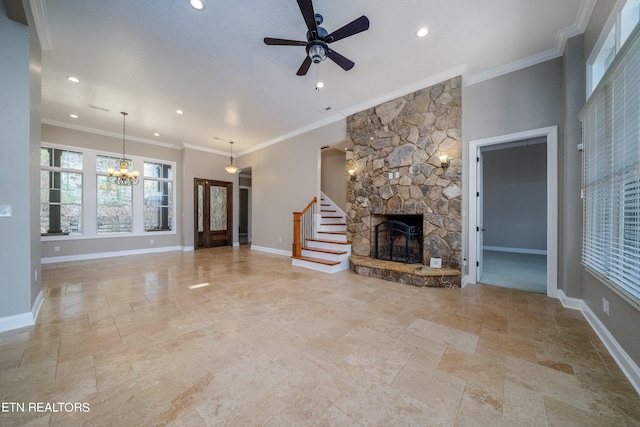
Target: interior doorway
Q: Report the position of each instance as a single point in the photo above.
(213, 207)
(493, 253)
(512, 212)
(245, 206)
(244, 226)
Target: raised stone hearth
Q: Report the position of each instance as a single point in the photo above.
(409, 274)
(394, 149)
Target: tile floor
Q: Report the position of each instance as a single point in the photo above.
(269, 344)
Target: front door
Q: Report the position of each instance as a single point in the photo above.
(213, 221)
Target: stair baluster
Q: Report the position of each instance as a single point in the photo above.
(303, 227)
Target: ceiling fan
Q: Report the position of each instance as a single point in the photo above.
(318, 39)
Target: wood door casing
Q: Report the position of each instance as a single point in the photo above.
(213, 222)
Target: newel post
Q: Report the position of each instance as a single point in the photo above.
(296, 247)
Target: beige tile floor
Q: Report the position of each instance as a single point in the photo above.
(270, 344)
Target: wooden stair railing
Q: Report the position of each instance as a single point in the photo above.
(303, 225)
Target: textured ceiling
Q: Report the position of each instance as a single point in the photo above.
(152, 57)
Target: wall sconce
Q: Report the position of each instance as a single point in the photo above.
(444, 161)
(352, 173)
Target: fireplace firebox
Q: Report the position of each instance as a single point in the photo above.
(398, 239)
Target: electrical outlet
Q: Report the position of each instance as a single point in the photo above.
(152, 241)
(280, 239)
(56, 249)
(397, 175)
(390, 175)
(605, 306)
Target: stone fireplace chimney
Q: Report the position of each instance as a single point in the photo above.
(394, 149)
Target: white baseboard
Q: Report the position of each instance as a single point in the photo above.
(188, 248)
(626, 364)
(568, 302)
(22, 320)
(466, 280)
(515, 250)
(37, 305)
(271, 250)
(99, 255)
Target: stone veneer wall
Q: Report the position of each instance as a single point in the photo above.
(407, 135)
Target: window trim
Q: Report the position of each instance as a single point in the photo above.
(89, 196)
(615, 19)
(61, 169)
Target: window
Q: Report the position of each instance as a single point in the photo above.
(626, 17)
(60, 191)
(158, 196)
(78, 201)
(114, 206)
(611, 137)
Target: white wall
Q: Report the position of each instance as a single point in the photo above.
(285, 177)
(515, 197)
(333, 176)
(20, 142)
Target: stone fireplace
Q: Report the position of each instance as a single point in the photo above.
(394, 149)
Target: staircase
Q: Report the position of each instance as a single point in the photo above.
(329, 249)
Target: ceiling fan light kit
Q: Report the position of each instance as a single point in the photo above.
(318, 39)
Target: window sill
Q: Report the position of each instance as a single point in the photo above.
(67, 237)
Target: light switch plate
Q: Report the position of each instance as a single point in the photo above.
(5, 210)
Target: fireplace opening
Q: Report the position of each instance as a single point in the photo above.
(397, 238)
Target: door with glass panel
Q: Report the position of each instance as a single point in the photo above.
(213, 213)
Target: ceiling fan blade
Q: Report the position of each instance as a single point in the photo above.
(354, 27)
(343, 62)
(306, 7)
(283, 42)
(304, 67)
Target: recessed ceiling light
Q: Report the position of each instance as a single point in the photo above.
(73, 116)
(196, 4)
(156, 134)
(73, 79)
(422, 32)
(319, 85)
(179, 111)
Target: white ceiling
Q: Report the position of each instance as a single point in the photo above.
(152, 57)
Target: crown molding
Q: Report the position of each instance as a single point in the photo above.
(39, 12)
(111, 134)
(206, 150)
(584, 14)
(313, 126)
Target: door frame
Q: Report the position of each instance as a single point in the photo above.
(551, 134)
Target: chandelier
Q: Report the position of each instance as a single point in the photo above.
(122, 173)
(230, 167)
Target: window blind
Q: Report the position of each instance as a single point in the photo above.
(611, 166)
